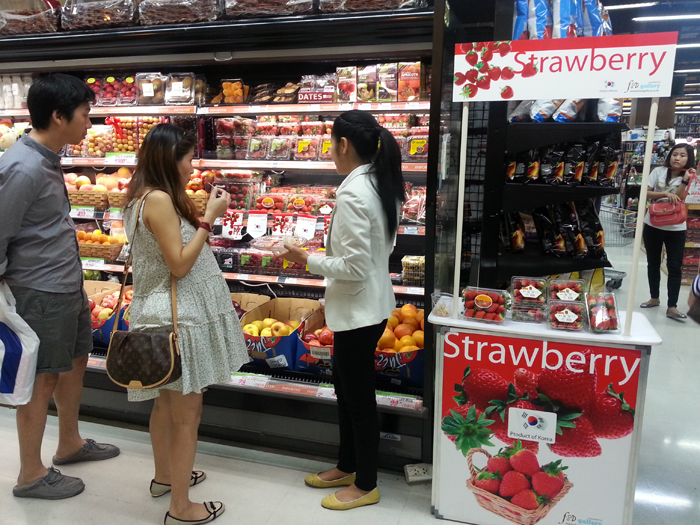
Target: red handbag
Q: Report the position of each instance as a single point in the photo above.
(667, 213)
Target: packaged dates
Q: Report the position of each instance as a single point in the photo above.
(566, 289)
(95, 14)
(22, 17)
(567, 315)
(334, 6)
(485, 304)
(602, 312)
(527, 290)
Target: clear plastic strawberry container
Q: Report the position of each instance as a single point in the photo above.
(307, 148)
(602, 312)
(252, 260)
(270, 202)
(289, 128)
(394, 120)
(312, 128)
(566, 289)
(324, 153)
(281, 147)
(303, 204)
(567, 315)
(258, 147)
(416, 148)
(242, 194)
(528, 313)
(485, 304)
(266, 128)
(529, 290)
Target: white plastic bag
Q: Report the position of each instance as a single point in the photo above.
(19, 346)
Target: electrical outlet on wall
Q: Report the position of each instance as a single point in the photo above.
(418, 473)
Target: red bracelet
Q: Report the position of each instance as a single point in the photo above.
(205, 226)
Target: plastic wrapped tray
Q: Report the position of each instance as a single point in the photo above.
(602, 312)
(303, 204)
(125, 136)
(528, 290)
(259, 8)
(485, 304)
(23, 17)
(334, 6)
(566, 289)
(96, 14)
(528, 314)
(155, 12)
(324, 153)
(413, 270)
(234, 91)
(273, 243)
(151, 88)
(281, 147)
(567, 315)
(417, 148)
(179, 89)
(307, 148)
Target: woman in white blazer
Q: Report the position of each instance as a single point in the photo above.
(359, 295)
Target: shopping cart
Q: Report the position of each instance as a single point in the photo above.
(613, 279)
(618, 225)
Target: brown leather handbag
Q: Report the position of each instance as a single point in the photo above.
(142, 360)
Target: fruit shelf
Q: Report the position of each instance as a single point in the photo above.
(519, 197)
(320, 392)
(297, 281)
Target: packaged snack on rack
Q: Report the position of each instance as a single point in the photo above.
(303, 204)
(569, 110)
(566, 289)
(260, 8)
(528, 290)
(542, 110)
(326, 146)
(125, 137)
(540, 20)
(258, 148)
(312, 128)
(596, 156)
(609, 109)
(234, 91)
(307, 148)
(281, 147)
(409, 78)
(417, 148)
(528, 314)
(521, 113)
(97, 14)
(485, 304)
(567, 315)
(567, 222)
(128, 92)
(317, 88)
(576, 158)
(146, 124)
(551, 240)
(367, 83)
(155, 12)
(387, 82)
(287, 94)
(179, 89)
(608, 167)
(413, 273)
(262, 94)
(98, 141)
(520, 31)
(266, 128)
(151, 88)
(591, 229)
(552, 166)
(515, 232)
(346, 88)
(20, 17)
(413, 210)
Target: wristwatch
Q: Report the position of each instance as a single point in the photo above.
(684, 182)
(205, 226)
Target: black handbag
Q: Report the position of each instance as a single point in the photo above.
(142, 360)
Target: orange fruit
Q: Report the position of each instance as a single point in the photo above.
(104, 238)
(420, 315)
(89, 242)
(397, 313)
(107, 243)
(398, 345)
(409, 314)
(407, 340)
(403, 330)
(419, 336)
(88, 236)
(422, 324)
(387, 340)
(81, 235)
(411, 321)
(409, 309)
(409, 349)
(393, 321)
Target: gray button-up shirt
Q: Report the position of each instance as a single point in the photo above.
(38, 245)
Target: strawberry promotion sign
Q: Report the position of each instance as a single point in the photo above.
(623, 66)
(535, 431)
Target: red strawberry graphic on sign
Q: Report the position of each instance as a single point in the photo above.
(460, 78)
(507, 73)
(470, 90)
(527, 499)
(499, 464)
(611, 416)
(481, 386)
(569, 388)
(483, 82)
(529, 70)
(503, 48)
(488, 481)
(483, 67)
(472, 75)
(512, 483)
(494, 73)
(525, 382)
(578, 442)
(465, 48)
(486, 55)
(507, 92)
(550, 481)
(523, 460)
(471, 58)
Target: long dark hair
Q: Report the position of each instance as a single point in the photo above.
(164, 146)
(691, 159)
(375, 145)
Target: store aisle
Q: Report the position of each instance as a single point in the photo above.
(268, 488)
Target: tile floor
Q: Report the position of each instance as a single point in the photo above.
(267, 488)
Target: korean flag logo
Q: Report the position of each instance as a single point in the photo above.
(533, 421)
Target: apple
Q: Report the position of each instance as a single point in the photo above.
(196, 173)
(294, 324)
(266, 332)
(71, 187)
(124, 173)
(92, 305)
(70, 177)
(81, 181)
(189, 192)
(129, 295)
(318, 332)
(309, 337)
(196, 183)
(201, 192)
(259, 324)
(268, 322)
(86, 187)
(99, 187)
(123, 183)
(115, 190)
(279, 329)
(251, 329)
(315, 343)
(326, 337)
(105, 314)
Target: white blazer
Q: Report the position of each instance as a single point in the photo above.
(359, 291)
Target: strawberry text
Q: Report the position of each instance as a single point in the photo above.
(593, 60)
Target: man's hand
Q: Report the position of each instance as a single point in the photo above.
(292, 254)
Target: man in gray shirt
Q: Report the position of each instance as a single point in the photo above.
(40, 261)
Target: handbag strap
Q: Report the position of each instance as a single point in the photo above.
(127, 267)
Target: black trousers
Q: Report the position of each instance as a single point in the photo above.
(654, 239)
(353, 377)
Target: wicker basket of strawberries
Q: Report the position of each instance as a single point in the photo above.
(514, 485)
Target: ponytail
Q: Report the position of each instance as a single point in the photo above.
(377, 146)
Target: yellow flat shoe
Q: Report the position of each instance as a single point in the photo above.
(312, 480)
(332, 503)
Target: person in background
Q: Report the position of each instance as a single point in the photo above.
(359, 295)
(668, 182)
(40, 261)
(170, 239)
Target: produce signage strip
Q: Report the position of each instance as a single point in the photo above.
(534, 419)
(624, 66)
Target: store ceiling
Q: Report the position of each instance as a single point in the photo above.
(676, 15)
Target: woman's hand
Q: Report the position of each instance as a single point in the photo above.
(293, 254)
(217, 205)
(672, 197)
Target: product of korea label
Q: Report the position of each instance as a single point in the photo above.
(257, 223)
(567, 294)
(532, 425)
(566, 316)
(305, 226)
(531, 292)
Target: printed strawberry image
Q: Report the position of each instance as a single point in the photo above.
(472, 75)
(460, 78)
(482, 386)
(488, 481)
(498, 411)
(527, 499)
(470, 91)
(465, 48)
(522, 460)
(507, 93)
(569, 388)
(577, 442)
(471, 58)
(483, 82)
(486, 55)
(507, 73)
(469, 431)
(483, 67)
(550, 480)
(529, 70)
(494, 73)
(525, 383)
(499, 464)
(504, 48)
(611, 416)
(512, 483)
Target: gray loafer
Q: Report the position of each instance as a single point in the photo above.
(52, 486)
(91, 451)
(677, 317)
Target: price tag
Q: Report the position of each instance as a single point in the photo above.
(147, 90)
(291, 280)
(203, 111)
(320, 352)
(115, 214)
(92, 263)
(568, 295)
(345, 107)
(306, 226)
(249, 380)
(232, 225)
(386, 105)
(277, 362)
(415, 291)
(326, 392)
(410, 230)
(82, 212)
(257, 223)
(313, 107)
(243, 276)
(396, 401)
(566, 316)
(413, 105)
(120, 159)
(67, 161)
(364, 107)
(176, 89)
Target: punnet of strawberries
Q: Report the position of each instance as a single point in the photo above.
(527, 290)
(528, 314)
(602, 312)
(485, 304)
(566, 289)
(516, 475)
(566, 315)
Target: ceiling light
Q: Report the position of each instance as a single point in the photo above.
(687, 102)
(630, 6)
(663, 18)
(693, 84)
(687, 71)
(688, 45)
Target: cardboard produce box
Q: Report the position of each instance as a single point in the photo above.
(277, 351)
(249, 301)
(99, 287)
(399, 368)
(310, 358)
